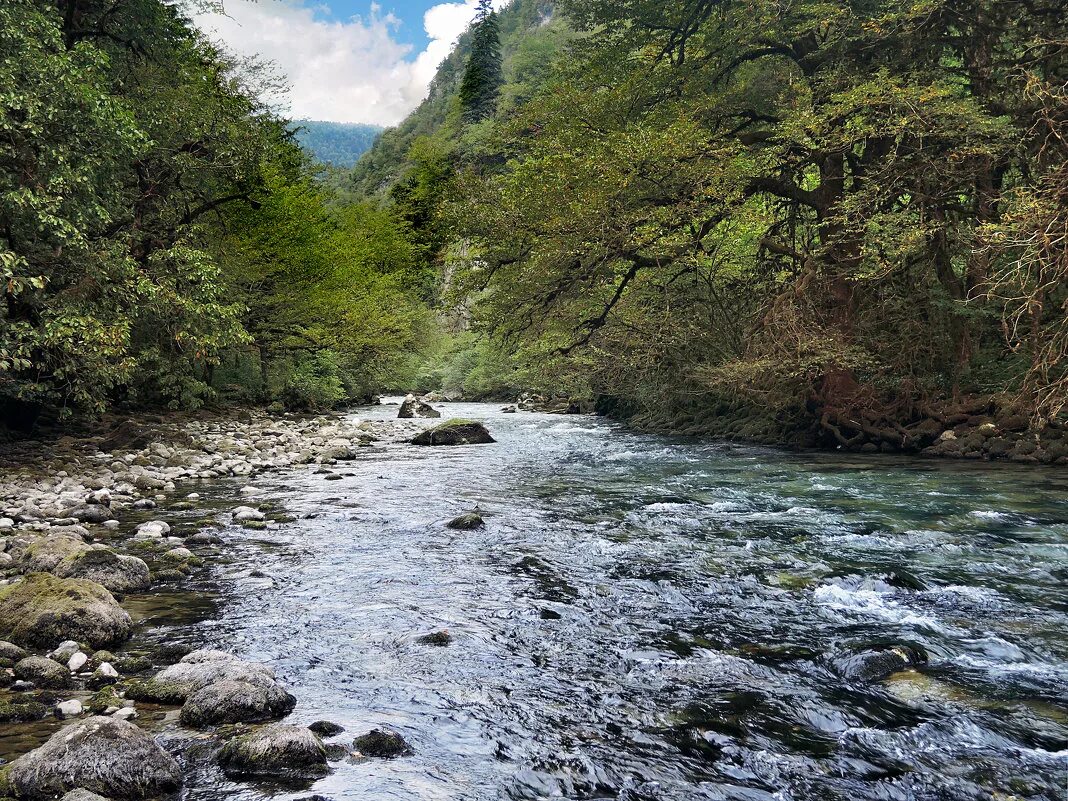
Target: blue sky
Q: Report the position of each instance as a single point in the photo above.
(345, 60)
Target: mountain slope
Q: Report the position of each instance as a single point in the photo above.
(339, 144)
(531, 35)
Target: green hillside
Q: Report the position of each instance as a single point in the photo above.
(339, 144)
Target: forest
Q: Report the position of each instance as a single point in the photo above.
(821, 222)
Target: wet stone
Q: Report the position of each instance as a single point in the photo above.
(382, 744)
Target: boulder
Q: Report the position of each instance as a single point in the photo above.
(82, 795)
(229, 701)
(440, 638)
(877, 664)
(42, 609)
(415, 407)
(117, 572)
(68, 709)
(455, 432)
(467, 522)
(102, 755)
(91, 513)
(383, 744)
(276, 751)
(10, 652)
(44, 552)
(43, 672)
(324, 728)
(244, 514)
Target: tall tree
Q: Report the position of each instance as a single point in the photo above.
(483, 75)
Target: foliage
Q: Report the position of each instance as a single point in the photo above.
(813, 205)
(483, 76)
(339, 144)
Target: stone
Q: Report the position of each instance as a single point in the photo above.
(243, 514)
(413, 407)
(509, 410)
(324, 728)
(276, 751)
(383, 744)
(41, 609)
(153, 529)
(466, 522)
(125, 713)
(91, 513)
(198, 669)
(43, 553)
(228, 701)
(875, 665)
(43, 672)
(11, 652)
(64, 651)
(105, 674)
(82, 795)
(455, 432)
(68, 709)
(438, 638)
(77, 662)
(119, 573)
(100, 754)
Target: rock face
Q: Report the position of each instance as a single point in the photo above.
(217, 687)
(278, 751)
(116, 572)
(102, 755)
(455, 432)
(41, 610)
(415, 407)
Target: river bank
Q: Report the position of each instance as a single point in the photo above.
(637, 615)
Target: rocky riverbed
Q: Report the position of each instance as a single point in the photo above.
(88, 524)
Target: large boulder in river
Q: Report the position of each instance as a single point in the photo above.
(455, 432)
(229, 701)
(44, 551)
(41, 610)
(276, 751)
(103, 755)
(117, 572)
(43, 672)
(415, 407)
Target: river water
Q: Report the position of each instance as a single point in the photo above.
(647, 618)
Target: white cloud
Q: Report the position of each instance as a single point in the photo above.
(345, 71)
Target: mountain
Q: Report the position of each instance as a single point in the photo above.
(531, 37)
(339, 144)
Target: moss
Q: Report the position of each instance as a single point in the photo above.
(254, 525)
(103, 698)
(22, 712)
(161, 692)
(42, 610)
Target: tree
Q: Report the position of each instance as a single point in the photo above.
(483, 74)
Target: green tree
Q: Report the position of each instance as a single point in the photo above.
(483, 76)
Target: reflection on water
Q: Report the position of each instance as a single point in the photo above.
(644, 618)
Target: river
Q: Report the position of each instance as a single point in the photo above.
(648, 618)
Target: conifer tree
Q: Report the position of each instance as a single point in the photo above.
(483, 76)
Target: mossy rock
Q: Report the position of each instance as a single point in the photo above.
(455, 432)
(160, 692)
(103, 698)
(22, 711)
(41, 610)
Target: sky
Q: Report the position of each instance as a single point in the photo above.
(345, 60)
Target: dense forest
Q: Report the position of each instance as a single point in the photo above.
(338, 144)
(832, 222)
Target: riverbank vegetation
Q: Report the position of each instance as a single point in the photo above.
(162, 240)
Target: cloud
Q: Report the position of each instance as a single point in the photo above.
(345, 71)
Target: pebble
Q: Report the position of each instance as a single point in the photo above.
(77, 662)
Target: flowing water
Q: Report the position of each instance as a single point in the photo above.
(647, 618)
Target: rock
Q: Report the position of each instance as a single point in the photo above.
(125, 713)
(324, 728)
(144, 504)
(414, 407)
(91, 513)
(105, 674)
(876, 665)
(199, 669)
(101, 496)
(119, 573)
(509, 410)
(243, 514)
(103, 755)
(455, 432)
(82, 795)
(153, 529)
(438, 638)
(6, 523)
(466, 522)
(10, 652)
(43, 672)
(43, 553)
(383, 744)
(77, 662)
(64, 651)
(228, 701)
(277, 751)
(21, 712)
(41, 609)
(68, 709)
